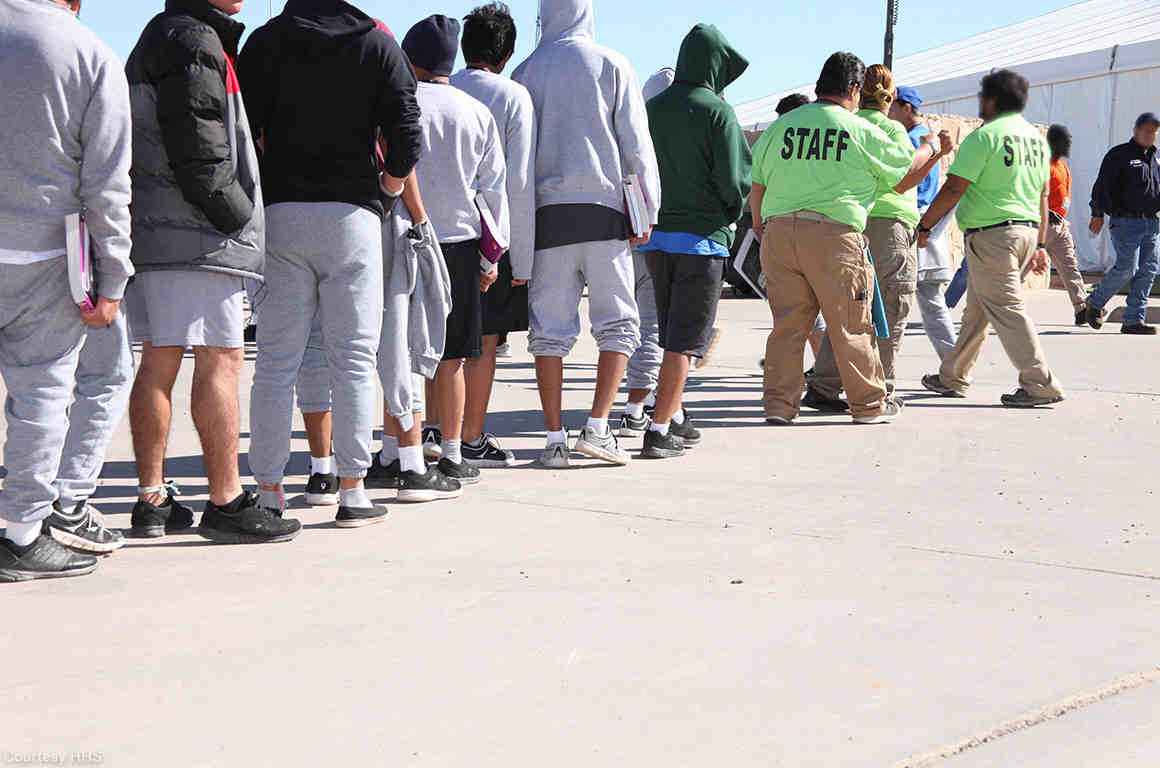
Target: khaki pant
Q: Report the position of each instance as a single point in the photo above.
(896, 264)
(1061, 249)
(998, 260)
(809, 265)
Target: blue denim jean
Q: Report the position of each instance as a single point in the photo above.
(1137, 262)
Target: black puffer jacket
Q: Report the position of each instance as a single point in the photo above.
(197, 200)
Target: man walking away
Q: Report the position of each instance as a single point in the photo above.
(816, 174)
(1128, 192)
(704, 165)
(325, 195)
(644, 366)
(64, 149)
(585, 95)
(1060, 244)
(489, 39)
(462, 158)
(999, 182)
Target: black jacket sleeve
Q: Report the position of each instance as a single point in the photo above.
(193, 111)
(256, 81)
(398, 114)
(1103, 190)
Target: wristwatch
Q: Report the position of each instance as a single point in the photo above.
(1041, 247)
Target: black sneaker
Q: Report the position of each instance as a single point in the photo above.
(688, 434)
(1021, 398)
(1138, 329)
(631, 427)
(463, 472)
(42, 559)
(1095, 317)
(150, 521)
(1081, 316)
(358, 517)
(83, 530)
(432, 444)
(322, 490)
(250, 334)
(934, 383)
(379, 476)
(242, 521)
(487, 453)
(819, 402)
(658, 446)
(432, 486)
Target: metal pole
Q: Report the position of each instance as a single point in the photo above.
(891, 20)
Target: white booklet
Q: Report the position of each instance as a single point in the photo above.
(636, 206)
(81, 280)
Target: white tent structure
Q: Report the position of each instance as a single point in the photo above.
(1093, 67)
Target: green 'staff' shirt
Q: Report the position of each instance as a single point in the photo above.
(1006, 161)
(825, 159)
(890, 204)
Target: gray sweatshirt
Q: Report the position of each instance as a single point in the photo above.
(590, 115)
(511, 106)
(462, 156)
(64, 139)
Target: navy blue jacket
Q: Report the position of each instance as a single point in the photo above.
(1129, 182)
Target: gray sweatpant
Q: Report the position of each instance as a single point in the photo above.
(325, 258)
(645, 364)
(312, 389)
(936, 318)
(104, 379)
(40, 341)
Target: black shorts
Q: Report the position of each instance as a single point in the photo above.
(688, 288)
(505, 308)
(465, 323)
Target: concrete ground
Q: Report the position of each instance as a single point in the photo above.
(967, 587)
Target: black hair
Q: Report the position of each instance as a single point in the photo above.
(841, 70)
(792, 102)
(489, 34)
(1008, 89)
(1059, 139)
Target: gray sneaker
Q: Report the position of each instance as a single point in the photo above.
(891, 409)
(83, 529)
(602, 447)
(555, 456)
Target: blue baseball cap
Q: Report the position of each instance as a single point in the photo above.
(909, 94)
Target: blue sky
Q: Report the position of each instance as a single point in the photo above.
(785, 42)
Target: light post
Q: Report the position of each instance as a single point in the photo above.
(891, 20)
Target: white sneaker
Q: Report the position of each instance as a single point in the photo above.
(602, 447)
(555, 456)
(891, 408)
(503, 350)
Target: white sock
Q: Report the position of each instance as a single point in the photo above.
(354, 497)
(390, 450)
(599, 426)
(272, 500)
(323, 466)
(411, 459)
(452, 451)
(635, 410)
(558, 438)
(656, 426)
(23, 534)
(651, 400)
(679, 416)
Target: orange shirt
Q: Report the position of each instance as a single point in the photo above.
(1059, 189)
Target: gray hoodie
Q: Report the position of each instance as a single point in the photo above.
(590, 114)
(64, 139)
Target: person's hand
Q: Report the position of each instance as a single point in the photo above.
(102, 315)
(923, 238)
(1039, 261)
(1096, 225)
(946, 144)
(636, 242)
(486, 279)
(758, 229)
(518, 283)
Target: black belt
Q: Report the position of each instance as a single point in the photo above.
(1134, 215)
(1001, 225)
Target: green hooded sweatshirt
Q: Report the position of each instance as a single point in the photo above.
(702, 152)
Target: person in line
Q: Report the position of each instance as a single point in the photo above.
(1127, 192)
(198, 234)
(816, 174)
(644, 366)
(489, 40)
(65, 148)
(462, 159)
(935, 262)
(890, 236)
(999, 183)
(325, 192)
(705, 168)
(1060, 244)
(585, 95)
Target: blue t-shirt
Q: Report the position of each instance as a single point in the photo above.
(928, 187)
(683, 242)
